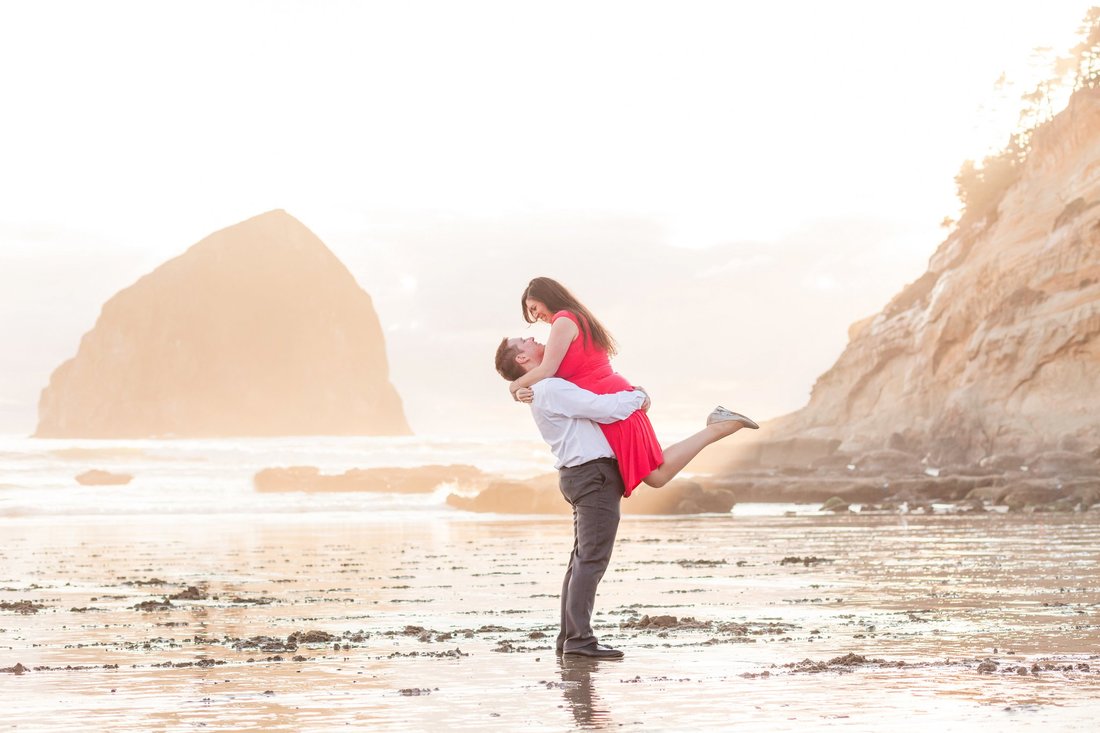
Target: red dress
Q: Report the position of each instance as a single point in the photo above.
(633, 440)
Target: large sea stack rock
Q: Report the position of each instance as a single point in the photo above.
(996, 348)
(256, 330)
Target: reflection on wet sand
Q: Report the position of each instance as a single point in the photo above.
(589, 711)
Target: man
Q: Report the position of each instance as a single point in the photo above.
(588, 476)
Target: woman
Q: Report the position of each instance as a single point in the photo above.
(579, 349)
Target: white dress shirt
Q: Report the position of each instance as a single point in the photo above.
(566, 415)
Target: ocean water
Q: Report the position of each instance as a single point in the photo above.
(205, 477)
(216, 476)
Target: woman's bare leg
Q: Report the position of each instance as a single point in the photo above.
(680, 454)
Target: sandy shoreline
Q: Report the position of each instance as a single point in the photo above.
(312, 622)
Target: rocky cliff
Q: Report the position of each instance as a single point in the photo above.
(995, 348)
(256, 330)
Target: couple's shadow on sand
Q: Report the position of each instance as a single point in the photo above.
(588, 709)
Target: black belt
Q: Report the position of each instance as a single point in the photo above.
(595, 460)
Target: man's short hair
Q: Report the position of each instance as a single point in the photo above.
(506, 361)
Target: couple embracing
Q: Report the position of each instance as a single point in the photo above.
(604, 445)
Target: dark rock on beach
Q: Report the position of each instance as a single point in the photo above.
(310, 637)
(804, 561)
(154, 605)
(267, 644)
(24, 607)
(665, 622)
(842, 664)
(192, 593)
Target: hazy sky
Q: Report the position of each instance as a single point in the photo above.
(728, 184)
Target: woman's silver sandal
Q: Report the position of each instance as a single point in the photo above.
(721, 414)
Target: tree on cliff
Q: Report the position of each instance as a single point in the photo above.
(1087, 52)
(981, 186)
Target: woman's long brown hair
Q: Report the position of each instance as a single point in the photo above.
(556, 298)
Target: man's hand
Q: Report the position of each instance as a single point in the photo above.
(647, 403)
(524, 394)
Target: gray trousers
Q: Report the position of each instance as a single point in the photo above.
(594, 489)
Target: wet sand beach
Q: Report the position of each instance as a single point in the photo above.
(310, 622)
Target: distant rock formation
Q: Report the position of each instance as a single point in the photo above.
(478, 491)
(996, 348)
(97, 477)
(256, 330)
(414, 480)
(540, 495)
